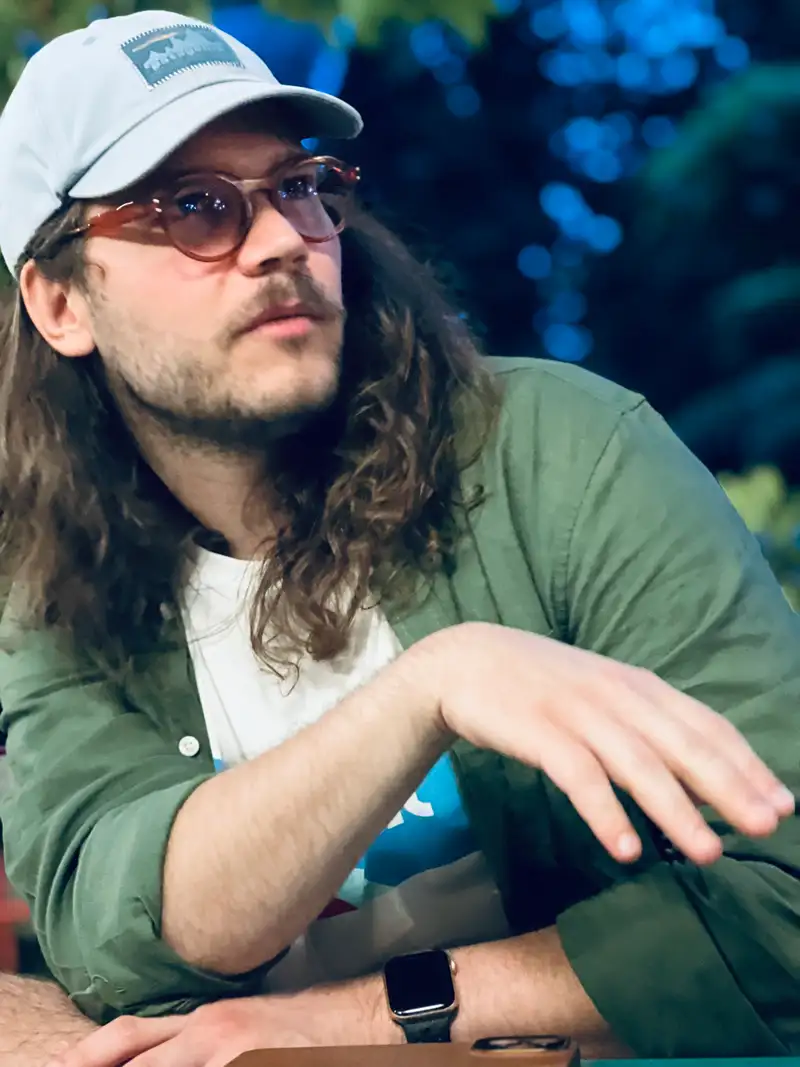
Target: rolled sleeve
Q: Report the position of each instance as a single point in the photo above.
(649, 964)
(661, 573)
(132, 970)
(96, 782)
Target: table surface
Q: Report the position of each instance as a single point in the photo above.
(398, 1056)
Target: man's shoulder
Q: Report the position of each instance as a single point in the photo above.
(554, 423)
(561, 414)
(545, 386)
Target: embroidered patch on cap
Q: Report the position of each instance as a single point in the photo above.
(160, 54)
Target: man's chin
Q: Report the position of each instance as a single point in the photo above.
(280, 417)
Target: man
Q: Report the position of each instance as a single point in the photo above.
(327, 639)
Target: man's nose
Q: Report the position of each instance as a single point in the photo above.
(272, 243)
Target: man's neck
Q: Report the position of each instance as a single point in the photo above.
(226, 492)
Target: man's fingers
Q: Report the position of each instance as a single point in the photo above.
(176, 1053)
(576, 771)
(718, 732)
(120, 1041)
(706, 753)
(638, 768)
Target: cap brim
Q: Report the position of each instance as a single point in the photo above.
(144, 147)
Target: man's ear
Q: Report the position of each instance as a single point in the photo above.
(59, 312)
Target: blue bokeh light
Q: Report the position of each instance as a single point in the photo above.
(602, 55)
(548, 23)
(535, 262)
(659, 40)
(586, 22)
(621, 125)
(568, 306)
(565, 68)
(602, 166)
(701, 29)
(463, 100)
(27, 43)
(678, 71)
(343, 31)
(296, 52)
(603, 234)
(569, 343)
(633, 71)
(732, 53)
(659, 131)
(428, 43)
(583, 134)
(451, 71)
(562, 202)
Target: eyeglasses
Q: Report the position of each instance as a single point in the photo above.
(208, 216)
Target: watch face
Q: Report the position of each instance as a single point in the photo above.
(419, 984)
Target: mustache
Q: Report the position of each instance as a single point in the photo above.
(278, 291)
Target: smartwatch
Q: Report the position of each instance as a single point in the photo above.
(422, 996)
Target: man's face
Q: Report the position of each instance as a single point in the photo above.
(172, 331)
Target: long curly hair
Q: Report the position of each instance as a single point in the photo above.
(96, 545)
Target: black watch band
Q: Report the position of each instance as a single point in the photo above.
(427, 1031)
(422, 996)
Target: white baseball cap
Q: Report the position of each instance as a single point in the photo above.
(97, 109)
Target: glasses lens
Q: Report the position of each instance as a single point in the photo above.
(314, 198)
(205, 217)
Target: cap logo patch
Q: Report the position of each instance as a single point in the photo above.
(163, 53)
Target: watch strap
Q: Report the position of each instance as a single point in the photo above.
(428, 1031)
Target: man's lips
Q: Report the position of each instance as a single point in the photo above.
(281, 313)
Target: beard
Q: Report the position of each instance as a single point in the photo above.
(199, 398)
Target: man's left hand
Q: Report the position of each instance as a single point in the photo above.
(353, 1013)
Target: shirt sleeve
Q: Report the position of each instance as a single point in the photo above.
(94, 789)
(661, 572)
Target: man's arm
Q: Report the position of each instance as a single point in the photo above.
(37, 1022)
(282, 832)
(661, 572)
(524, 985)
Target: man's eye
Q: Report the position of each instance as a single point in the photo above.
(199, 202)
(298, 187)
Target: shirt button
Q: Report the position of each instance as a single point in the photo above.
(188, 746)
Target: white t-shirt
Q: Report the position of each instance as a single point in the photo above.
(423, 883)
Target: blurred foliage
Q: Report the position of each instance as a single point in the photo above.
(23, 23)
(707, 284)
(772, 512)
(468, 17)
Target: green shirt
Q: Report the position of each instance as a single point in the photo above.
(599, 529)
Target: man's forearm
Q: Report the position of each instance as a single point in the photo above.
(37, 1022)
(525, 985)
(257, 853)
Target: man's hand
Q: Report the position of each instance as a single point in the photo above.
(587, 721)
(214, 1035)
